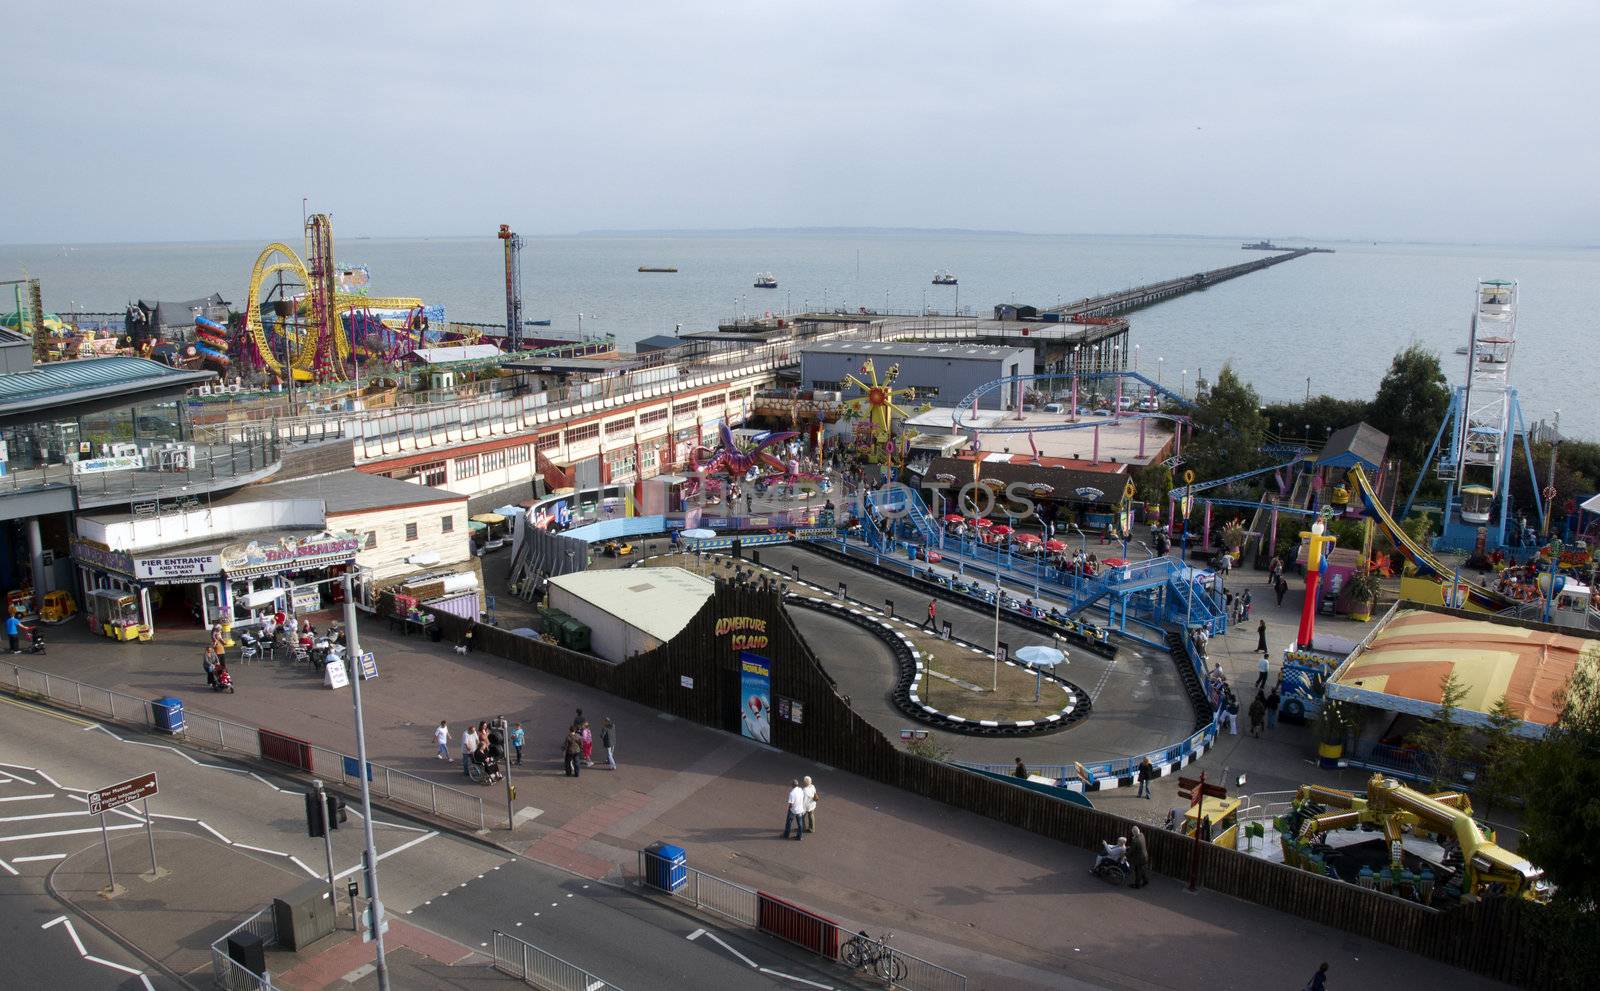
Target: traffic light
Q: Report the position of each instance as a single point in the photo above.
(316, 815)
(336, 810)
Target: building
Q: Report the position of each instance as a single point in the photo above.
(1123, 440)
(632, 610)
(938, 373)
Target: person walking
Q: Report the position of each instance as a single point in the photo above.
(13, 630)
(1261, 636)
(517, 738)
(587, 739)
(1273, 700)
(210, 666)
(572, 750)
(1282, 589)
(441, 739)
(1230, 707)
(1246, 600)
(608, 741)
(469, 746)
(932, 621)
(1020, 771)
(811, 803)
(1258, 715)
(1319, 980)
(1138, 857)
(796, 814)
(1145, 772)
(1263, 669)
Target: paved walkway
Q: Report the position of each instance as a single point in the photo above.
(1004, 906)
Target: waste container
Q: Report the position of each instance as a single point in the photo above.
(168, 714)
(435, 631)
(247, 950)
(667, 867)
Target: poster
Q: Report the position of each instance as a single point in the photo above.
(755, 696)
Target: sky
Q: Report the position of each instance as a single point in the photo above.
(1410, 120)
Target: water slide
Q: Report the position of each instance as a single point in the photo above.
(1427, 565)
(211, 340)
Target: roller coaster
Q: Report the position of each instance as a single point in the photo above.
(318, 348)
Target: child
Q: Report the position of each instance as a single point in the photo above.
(516, 742)
(588, 744)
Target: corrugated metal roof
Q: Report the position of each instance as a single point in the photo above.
(912, 349)
(90, 378)
(659, 601)
(464, 352)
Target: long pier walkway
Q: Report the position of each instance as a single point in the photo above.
(1140, 296)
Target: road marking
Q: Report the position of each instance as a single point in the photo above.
(64, 832)
(46, 712)
(695, 935)
(9, 869)
(303, 867)
(202, 824)
(85, 954)
(274, 788)
(260, 849)
(358, 973)
(39, 857)
(46, 815)
(53, 782)
(713, 937)
(27, 798)
(791, 977)
(389, 853)
(16, 777)
(596, 986)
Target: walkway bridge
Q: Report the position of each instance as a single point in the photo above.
(1138, 297)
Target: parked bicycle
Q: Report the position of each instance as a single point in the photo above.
(863, 952)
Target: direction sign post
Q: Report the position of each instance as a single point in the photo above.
(117, 795)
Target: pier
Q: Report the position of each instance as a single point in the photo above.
(1139, 297)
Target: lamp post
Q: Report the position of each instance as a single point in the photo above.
(370, 853)
(1184, 388)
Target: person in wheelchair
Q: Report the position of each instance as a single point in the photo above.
(1112, 855)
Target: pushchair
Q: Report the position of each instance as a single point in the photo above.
(484, 768)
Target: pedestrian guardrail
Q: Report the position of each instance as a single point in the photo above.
(227, 974)
(824, 936)
(522, 959)
(216, 733)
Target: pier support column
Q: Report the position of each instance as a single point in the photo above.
(41, 580)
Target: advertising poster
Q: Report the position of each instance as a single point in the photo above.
(755, 694)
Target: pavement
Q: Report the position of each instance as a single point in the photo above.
(1004, 906)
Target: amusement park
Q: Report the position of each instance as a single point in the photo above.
(987, 561)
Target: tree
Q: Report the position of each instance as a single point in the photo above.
(1228, 429)
(1561, 793)
(1501, 766)
(1315, 419)
(1411, 403)
(1442, 740)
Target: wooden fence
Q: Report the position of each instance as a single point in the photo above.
(696, 676)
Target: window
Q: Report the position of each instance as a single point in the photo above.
(549, 441)
(447, 524)
(647, 458)
(432, 475)
(711, 401)
(517, 455)
(826, 385)
(922, 391)
(411, 531)
(683, 408)
(371, 541)
(491, 461)
(653, 416)
(621, 462)
(467, 467)
(588, 431)
(616, 427)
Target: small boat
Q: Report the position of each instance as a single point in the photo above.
(766, 280)
(657, 268)
(944, 278)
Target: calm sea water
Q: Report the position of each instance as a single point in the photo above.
(1336, 318)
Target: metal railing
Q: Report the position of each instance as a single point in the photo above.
(228, 974)
(737, 903)
(220, 734)
(542, 969)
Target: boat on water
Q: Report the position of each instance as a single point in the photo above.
(944, 278)
(657, 268)
(766, 280)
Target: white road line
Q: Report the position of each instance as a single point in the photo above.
(303, 867)
(53, 782)
(791, 977)
(63, 920)
(695, 935)
(164, 815)
(725, 946)
(267, 783)
(63, 832)
(259, 849)
(39, 857)
(596, 986)
(202, 824)
(46, 815)
(27, 798)
(16, 777)
(9, 869)
(389, 853)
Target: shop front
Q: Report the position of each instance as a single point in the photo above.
(290, 574)
(172, 587)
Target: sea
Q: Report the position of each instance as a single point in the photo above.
(1327, 323)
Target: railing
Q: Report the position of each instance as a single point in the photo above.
(541, 969)
(787, 921)
(228, 974)
(225, 735)
(224, 462)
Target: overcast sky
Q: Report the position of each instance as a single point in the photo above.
(1459, 120)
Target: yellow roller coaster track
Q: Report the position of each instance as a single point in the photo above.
(303, 352)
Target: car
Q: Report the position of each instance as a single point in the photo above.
(1125, 402)
(1054, 408)
(1102, 412)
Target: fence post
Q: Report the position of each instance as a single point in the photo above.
(388, 788)
(47, 685)
(524, 961)
(433, 798)
(78, 685)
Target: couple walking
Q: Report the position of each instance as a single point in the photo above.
(578, 748)
(802, 812)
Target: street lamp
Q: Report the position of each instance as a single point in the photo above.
(1159, 362)
(1136, 357)
(352, 654)
(1185, 388)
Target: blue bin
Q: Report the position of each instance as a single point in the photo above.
(667, 867)
(168, 714)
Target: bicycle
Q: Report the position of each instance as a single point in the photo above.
(862, 952)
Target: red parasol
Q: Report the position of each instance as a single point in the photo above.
(1054, 546)
(1001, 530)
(981, 523)
(1027, 538)
(954, 518)
(1113, 562)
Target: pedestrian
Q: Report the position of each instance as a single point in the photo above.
(1230, 709)
(1283, 589)
(933, 616)
(441, 738)
(608, 740)
(210, 665)
(517, 738)
(1020, 771)
(571, 750)
(1146, 771)
(811, 803)
(13, 630)
(796, 814)
(1258, 715)
(1200, 639)
(1261, 636)
(1263, 668)
(218, 643)
(1246, 599)
(587, 739)
(1138, 857)
(469, 746)
(577, 720)
(1273, 700)
(1319, 980)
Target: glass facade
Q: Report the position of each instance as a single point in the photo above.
(52, 442)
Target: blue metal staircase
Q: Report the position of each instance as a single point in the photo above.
(904, 502)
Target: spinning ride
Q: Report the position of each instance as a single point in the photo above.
(312, 343)
(753, 462)
(881, 409)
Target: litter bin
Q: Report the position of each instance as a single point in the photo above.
(168, 714)
(667, 867)
(435, 631)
